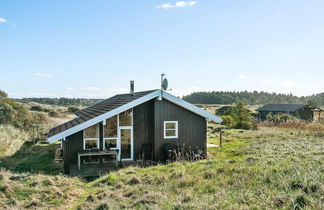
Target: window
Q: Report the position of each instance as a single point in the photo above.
(170, 129)
(110, 133)
(91, 137)
(110, 129)
(126, 118)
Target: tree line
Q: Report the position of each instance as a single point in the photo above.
(214, 97)
(60, 101)
(251, 98)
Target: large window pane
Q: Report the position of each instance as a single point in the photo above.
(91, 144)
(125, 118)
(110, 129)
(92, 132)
(110, 143)
(125, 139)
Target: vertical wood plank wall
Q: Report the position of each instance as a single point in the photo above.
(191, 127)
(148, 125)
(75, 142)
(143, 130)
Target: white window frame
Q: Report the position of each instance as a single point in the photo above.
(132, 138)
(110, 138)
(85, 139)
(165, 129)
(119, 127)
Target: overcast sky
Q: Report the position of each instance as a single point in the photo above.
(93, 48)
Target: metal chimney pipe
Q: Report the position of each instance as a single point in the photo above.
(132, 88)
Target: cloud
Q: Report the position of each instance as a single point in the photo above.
(179, 4)
(289, 83)
(242, 76)
(265, 81)
(43, 75)
(186, 91)
(3, 20)
(90, 88)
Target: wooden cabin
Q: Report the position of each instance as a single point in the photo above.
(300, 111)
(223, 110)
(128, 128)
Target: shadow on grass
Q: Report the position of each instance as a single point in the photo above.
(33, 159)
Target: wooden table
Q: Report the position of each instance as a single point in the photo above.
(97, 153)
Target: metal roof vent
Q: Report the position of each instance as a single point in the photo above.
(132, 92)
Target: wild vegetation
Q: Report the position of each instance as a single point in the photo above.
(280, 165)
(239, 117)
(60, 101)
(269, 168)
(215, 97)
(251, 98)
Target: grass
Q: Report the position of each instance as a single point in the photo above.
(34, 159)
(40, 191)
(265, 169)
(11, 139)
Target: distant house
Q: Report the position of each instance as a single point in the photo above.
(128, 128)
(300, 111)
(223, 110)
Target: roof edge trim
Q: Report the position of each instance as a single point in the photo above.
(104, 116)
(186, 105)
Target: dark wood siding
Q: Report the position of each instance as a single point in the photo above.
(191, 127)
(75, 142)
(66, 165)
(148, 123)
(143, 128)
(305, 114)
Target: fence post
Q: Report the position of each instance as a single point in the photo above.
(221, 138)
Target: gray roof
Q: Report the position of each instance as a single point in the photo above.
(115, 105)
(282, 107)
(97, 109)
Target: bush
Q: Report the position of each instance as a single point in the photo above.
(36, 108)
(7, 113)
(281, 118)
(53, 114)
(73, 109)
(241, 117)
(228, 121)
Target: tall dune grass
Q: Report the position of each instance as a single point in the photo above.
(11, 139)
(296, 125)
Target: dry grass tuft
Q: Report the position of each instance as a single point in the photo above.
(37, 191)
(11, 139)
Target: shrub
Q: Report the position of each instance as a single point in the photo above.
(281, 118)
(7, 113)
(36, 108)
(228, 121)
(73, 109)
(53, 114)
(241, 117)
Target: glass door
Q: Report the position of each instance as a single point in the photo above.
(126, 143)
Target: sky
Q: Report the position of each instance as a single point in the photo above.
(92, 49)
